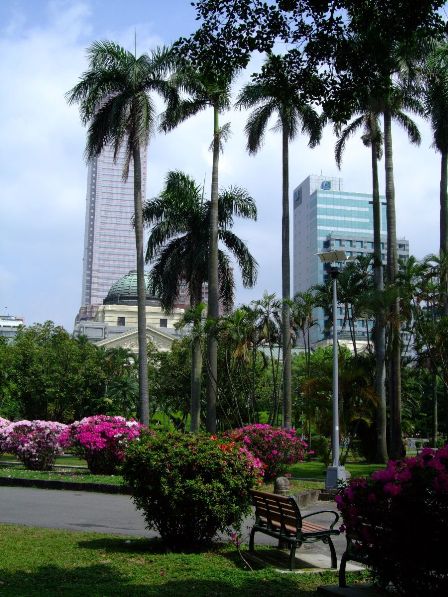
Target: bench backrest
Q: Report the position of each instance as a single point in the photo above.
(277, 510)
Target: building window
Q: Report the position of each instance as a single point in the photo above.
(121, 321)
(164, 323)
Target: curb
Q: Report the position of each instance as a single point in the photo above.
(44, 484)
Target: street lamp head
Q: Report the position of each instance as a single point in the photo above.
(332, 256)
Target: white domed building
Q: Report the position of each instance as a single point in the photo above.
(114, 323)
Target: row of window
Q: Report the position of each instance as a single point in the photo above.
(121, 322)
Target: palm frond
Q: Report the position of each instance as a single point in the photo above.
(245, 260)
(344, 136)
(409, 126)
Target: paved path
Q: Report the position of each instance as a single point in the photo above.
(104, 513)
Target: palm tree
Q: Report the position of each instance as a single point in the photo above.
(436, 107)
(114, 100)
(205, 88)
(267, 321)
(179, 247)
(367, 119)
(396, 99)
(273, 92)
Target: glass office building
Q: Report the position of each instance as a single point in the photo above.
(327, 217)
(109, 240)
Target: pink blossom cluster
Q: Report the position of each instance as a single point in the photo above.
(275, 447)
(101, 440)
(3, 422)
(384, 514)
(35, 443)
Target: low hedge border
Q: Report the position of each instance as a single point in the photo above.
(68, 485)
(304, 498)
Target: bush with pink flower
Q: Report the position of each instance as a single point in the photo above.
(102, 441)
(3, 423)
(398, 520)
(275, 447)
(35, 443)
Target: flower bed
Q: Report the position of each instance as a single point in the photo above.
(398, 520)
(102, 441)
(275, 447)
(35, 443)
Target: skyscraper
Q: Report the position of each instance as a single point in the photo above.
(327, 217)
(109, 239)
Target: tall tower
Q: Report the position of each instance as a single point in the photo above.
(109, 238)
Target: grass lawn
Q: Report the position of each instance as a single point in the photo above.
(308, 475)
(51, 562)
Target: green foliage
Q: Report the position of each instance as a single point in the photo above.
(170, 381)
(46, 374)
(188, 486)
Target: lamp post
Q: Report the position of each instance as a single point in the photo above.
(335, 472)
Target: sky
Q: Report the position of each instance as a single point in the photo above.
(43, 174)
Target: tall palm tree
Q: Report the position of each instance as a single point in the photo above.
(396, 99)
(205, 88)
(179, 247)
(113, 95)
(436, 107)
(273, 92)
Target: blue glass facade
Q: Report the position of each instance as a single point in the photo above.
(327, 217)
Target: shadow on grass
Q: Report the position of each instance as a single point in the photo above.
(104, 580)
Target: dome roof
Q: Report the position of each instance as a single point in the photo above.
(124, 291)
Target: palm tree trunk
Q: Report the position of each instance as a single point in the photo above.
(379, 338)
(286, 286)
(444, 230)
(196, 366)
(141, 292)
(392, 268)
(213, 299)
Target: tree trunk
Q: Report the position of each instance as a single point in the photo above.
(196, 365)
(286, 286)
(396, 446)
(141, 292)
(444, 231)
(213, 297)
(380, 330)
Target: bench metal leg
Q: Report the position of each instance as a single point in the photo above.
(292, 557)
(342, 581)
(251, 540)
(334, 560)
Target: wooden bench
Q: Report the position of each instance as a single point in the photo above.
(279, 516)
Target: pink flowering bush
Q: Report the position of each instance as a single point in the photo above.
(102, 441)
(35, 443)
(275, 447)
(398, 520)
(190, 486)
(3, 423)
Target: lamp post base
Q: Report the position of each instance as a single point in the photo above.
(335, 474)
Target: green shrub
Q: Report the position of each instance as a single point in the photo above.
(190, 486)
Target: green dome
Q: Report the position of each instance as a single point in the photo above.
(124, 291)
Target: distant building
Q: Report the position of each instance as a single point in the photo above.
(327, 217)
(109, 238)
(9, 326)
(114, 323)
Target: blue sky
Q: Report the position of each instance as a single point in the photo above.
(43, 175)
